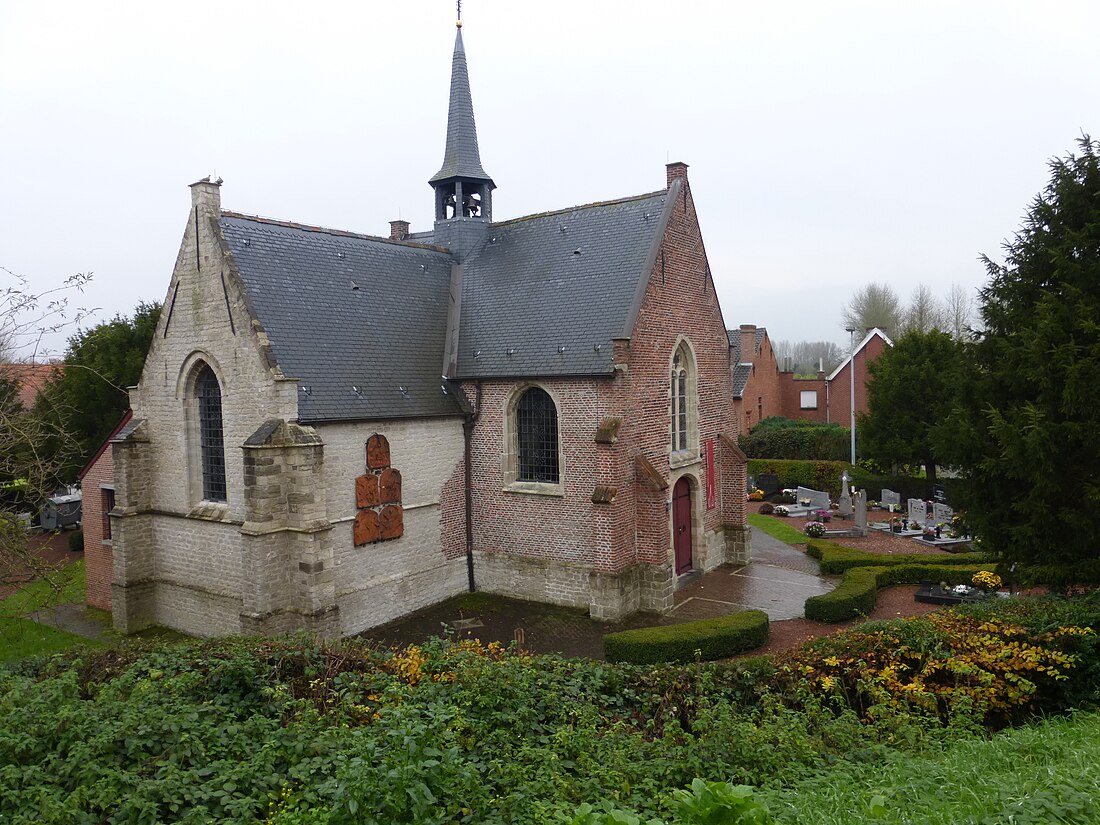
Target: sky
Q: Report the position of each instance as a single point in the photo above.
(830, 144)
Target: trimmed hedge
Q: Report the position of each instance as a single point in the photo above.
(856, 594)
(713, 638)
(797, 440)
(836, 558)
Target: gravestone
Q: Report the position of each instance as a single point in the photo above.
(769, 483)
(942, 514)
(818, 500)
(918, 512)
(939, 495)
(844, 503)
(861, 511)
(891, 499)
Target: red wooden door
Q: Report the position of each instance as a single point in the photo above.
(681, 525)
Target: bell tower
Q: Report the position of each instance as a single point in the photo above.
(463, 189)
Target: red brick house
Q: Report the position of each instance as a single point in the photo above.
(333, 430)
(756, 379)
(97, 484)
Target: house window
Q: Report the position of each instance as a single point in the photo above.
(807, 400)
(683, 408)
(536, 420)
(208, 395)
(107, 502)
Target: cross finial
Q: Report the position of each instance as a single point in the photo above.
(459, 22)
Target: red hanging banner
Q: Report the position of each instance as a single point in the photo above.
(712, 492)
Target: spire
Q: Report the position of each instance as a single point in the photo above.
(461, 158)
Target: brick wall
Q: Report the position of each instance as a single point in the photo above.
(840, 388)
(98, 562)
(791, 388)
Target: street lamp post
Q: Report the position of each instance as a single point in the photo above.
(852, 371)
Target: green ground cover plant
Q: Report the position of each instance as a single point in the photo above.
(856, 594)
(836, 558)
(299, 730)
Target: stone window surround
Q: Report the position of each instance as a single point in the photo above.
(683, 458)
(189, 415)
(510, 447)
(107, 537)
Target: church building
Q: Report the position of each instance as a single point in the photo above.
(333, 430)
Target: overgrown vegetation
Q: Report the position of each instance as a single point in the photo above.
(297, 730)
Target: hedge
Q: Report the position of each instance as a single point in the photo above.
(711, 638)
(813, 441)
(836, 558)
(856, 594)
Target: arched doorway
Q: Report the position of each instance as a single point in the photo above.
(681, 525)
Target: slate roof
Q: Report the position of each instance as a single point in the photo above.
(343, 311)
(561, 279)
(741, 373)
(461, 157)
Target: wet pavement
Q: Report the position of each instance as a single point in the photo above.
(778, 581)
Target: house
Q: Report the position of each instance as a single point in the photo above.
(756, 379)
(333, 430)
(97, 483)
(30, 378)
(828, 398)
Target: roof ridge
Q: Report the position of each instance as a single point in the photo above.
(594, 205)
(340, 233)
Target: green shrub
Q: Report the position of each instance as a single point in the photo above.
(817, 475)
(711, 638)
(796, 440)
(836, 558)
(856, 593)
(76, 541)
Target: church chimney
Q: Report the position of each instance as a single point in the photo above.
(399, 230)
(206, 196)
(677, 170)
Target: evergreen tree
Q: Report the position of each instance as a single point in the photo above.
(1026, 430)
(910, 393)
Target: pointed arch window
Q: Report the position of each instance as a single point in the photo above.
(208, 396)
(683, 406)
(537, 437)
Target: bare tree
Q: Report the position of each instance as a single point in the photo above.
(34, 448)
(874, 305)
(924, 313)
(806, 357)
(960, 312)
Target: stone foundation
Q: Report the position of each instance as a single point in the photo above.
(738, 543)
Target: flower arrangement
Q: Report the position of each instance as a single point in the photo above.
(780, 510)
(987, 580)
(815, 529)
(929, 534)
(756, 495)
(822, 515)
(805, 502)
(897, 524)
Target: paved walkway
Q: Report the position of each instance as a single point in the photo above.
(75, 618)
(778, 581)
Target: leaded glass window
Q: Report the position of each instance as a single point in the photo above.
(679, 403)
(536, 437)
(211, 442)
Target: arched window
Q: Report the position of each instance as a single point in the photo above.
(536, 420)
(682, 407)
(208, 396)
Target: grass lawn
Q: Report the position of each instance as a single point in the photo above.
(776, 529)
(21, 637)
(1045, 773)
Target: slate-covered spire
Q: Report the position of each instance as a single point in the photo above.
(463, 189)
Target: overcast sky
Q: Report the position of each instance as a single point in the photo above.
(830, 144)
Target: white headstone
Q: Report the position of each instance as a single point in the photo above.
(942, 514)
(889, 497)
(844, 503)
(861, 510)
(917, 511)
(818, 500)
